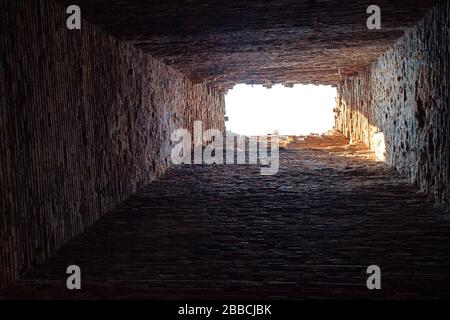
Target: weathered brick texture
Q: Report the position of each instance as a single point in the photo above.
(257, 42)
(399, 105)
(85, 120)
(226, 232)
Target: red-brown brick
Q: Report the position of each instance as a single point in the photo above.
(85, 120)
(404, 95)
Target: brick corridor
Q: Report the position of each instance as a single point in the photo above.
(227, 232)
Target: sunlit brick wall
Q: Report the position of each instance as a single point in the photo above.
(403, 99)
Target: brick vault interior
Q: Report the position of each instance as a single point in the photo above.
(86, 176)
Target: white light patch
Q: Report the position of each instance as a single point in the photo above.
(301, 110)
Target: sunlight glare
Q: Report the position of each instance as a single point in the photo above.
(301, 110)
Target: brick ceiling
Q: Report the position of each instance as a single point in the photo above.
(280, 41)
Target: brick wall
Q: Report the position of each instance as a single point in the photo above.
(85, 120)
(399, 105)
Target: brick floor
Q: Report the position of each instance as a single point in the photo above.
(227, 232)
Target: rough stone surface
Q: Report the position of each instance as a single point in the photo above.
(227, 232)
(85, 120)
(400, 105)
(240, 41)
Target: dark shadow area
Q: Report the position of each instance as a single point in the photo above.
(226, 232)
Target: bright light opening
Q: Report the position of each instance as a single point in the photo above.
(301, 110)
